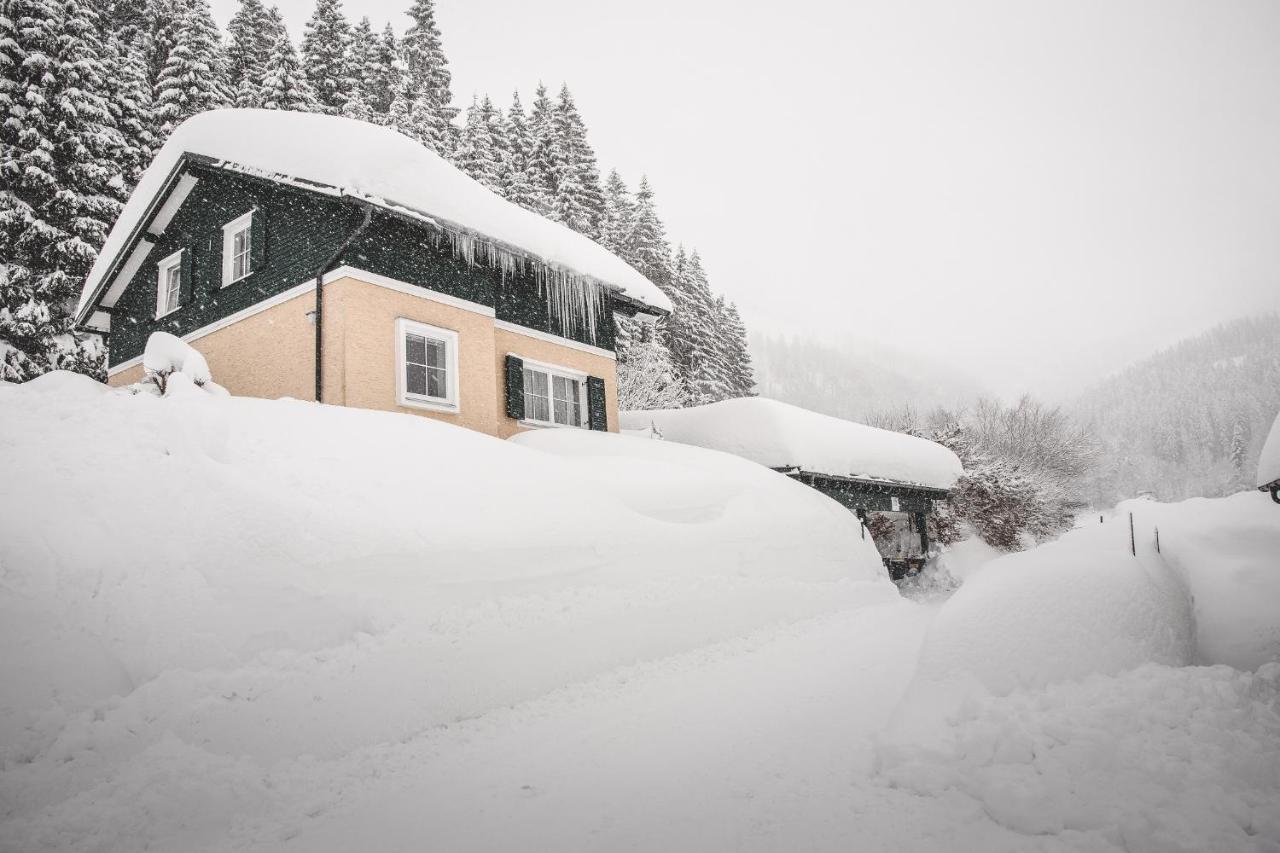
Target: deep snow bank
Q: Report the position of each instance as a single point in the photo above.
(269, 579)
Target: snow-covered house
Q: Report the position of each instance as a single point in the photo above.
(895, 476)
(317, 257)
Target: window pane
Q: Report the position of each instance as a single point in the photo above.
(575, 403)
(415, 349)
(535, 382)
(562, 411)
(435, 354)
(415, 379)
(437, 382)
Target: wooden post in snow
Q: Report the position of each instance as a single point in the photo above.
(1133, 546)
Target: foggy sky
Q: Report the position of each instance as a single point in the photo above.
(1036, 193)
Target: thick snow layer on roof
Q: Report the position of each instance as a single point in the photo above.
(784, 436)
(379, 165)
(1269, 461)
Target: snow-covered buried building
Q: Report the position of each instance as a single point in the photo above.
(318, 257)
(1269, 463)
(869, 470)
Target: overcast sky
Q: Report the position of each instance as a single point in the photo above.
(1033, 192)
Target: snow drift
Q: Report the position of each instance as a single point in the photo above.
(257, 580)
(779, 435)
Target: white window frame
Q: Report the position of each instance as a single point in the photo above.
(448, 403)
(565, 373)
(162, 284)
(229, 232)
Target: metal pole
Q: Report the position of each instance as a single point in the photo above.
(1133, 547)
(1157, 540)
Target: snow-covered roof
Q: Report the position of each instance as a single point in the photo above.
(378, 165)
(784, 436)
(1269, 461)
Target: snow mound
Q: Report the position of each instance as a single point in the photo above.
(780, 435)
(1269, 461)
(1157, 759)
(687, 485)
(378, 165)
(210, 585)
(1067, 609)
(167, 354)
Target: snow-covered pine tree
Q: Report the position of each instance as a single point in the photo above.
(129, 100)
(193, 78)
(543, 157)
(492, 119)
(384, 78)
(362, 69)
(59, 182)
(326, 42)
(577, 199)
(427, 80)
(646, 246)
(284, 84)
(517, 186)
(250, 37)
(475, 153)
(619, 210)
(742, 379)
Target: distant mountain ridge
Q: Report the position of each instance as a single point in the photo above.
(1189, 420)
(851, 380)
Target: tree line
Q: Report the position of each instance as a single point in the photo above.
(90, 91)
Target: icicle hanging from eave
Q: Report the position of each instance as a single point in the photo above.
(571, 298)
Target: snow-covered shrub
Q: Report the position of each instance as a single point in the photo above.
(647, 377)
(1023, 469)
(167, 355)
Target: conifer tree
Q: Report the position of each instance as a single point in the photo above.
(475, 152)
(493, 121)
(284, 85)
(363, 70)
(326, 42)
(130, 104)
(647, 378)
(571, 198)
(427, 80)
(542, 153)
(619, 210)
(58, 180)
(742, 381)
(384, 78)
(251, 37)
(193, 78)
(646, 246)
(356, 107)
(514, 172)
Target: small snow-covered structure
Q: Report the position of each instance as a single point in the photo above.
(866, 469)
(1269, 463)
(320, 257)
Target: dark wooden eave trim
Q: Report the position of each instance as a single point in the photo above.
(859, 484)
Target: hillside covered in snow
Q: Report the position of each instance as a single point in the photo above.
(237, 624)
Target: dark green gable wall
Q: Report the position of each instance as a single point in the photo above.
(303, 229)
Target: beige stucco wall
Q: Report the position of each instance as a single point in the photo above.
(555, 354)
(269, 354)
(368, 346)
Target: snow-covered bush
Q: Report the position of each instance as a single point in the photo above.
(167, 355)
(1023, 467)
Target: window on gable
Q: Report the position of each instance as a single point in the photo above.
(428, 366)
(237, 246)
(553, 396)
(169, 285)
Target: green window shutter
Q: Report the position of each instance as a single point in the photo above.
(258, 240)
(515, 387)
(598, 414)
(187, 290)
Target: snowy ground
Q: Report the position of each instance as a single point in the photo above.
(711, 662)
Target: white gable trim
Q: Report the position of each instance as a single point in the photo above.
(127, 272)
(516, 328)
(395, 284)
(186, 183)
